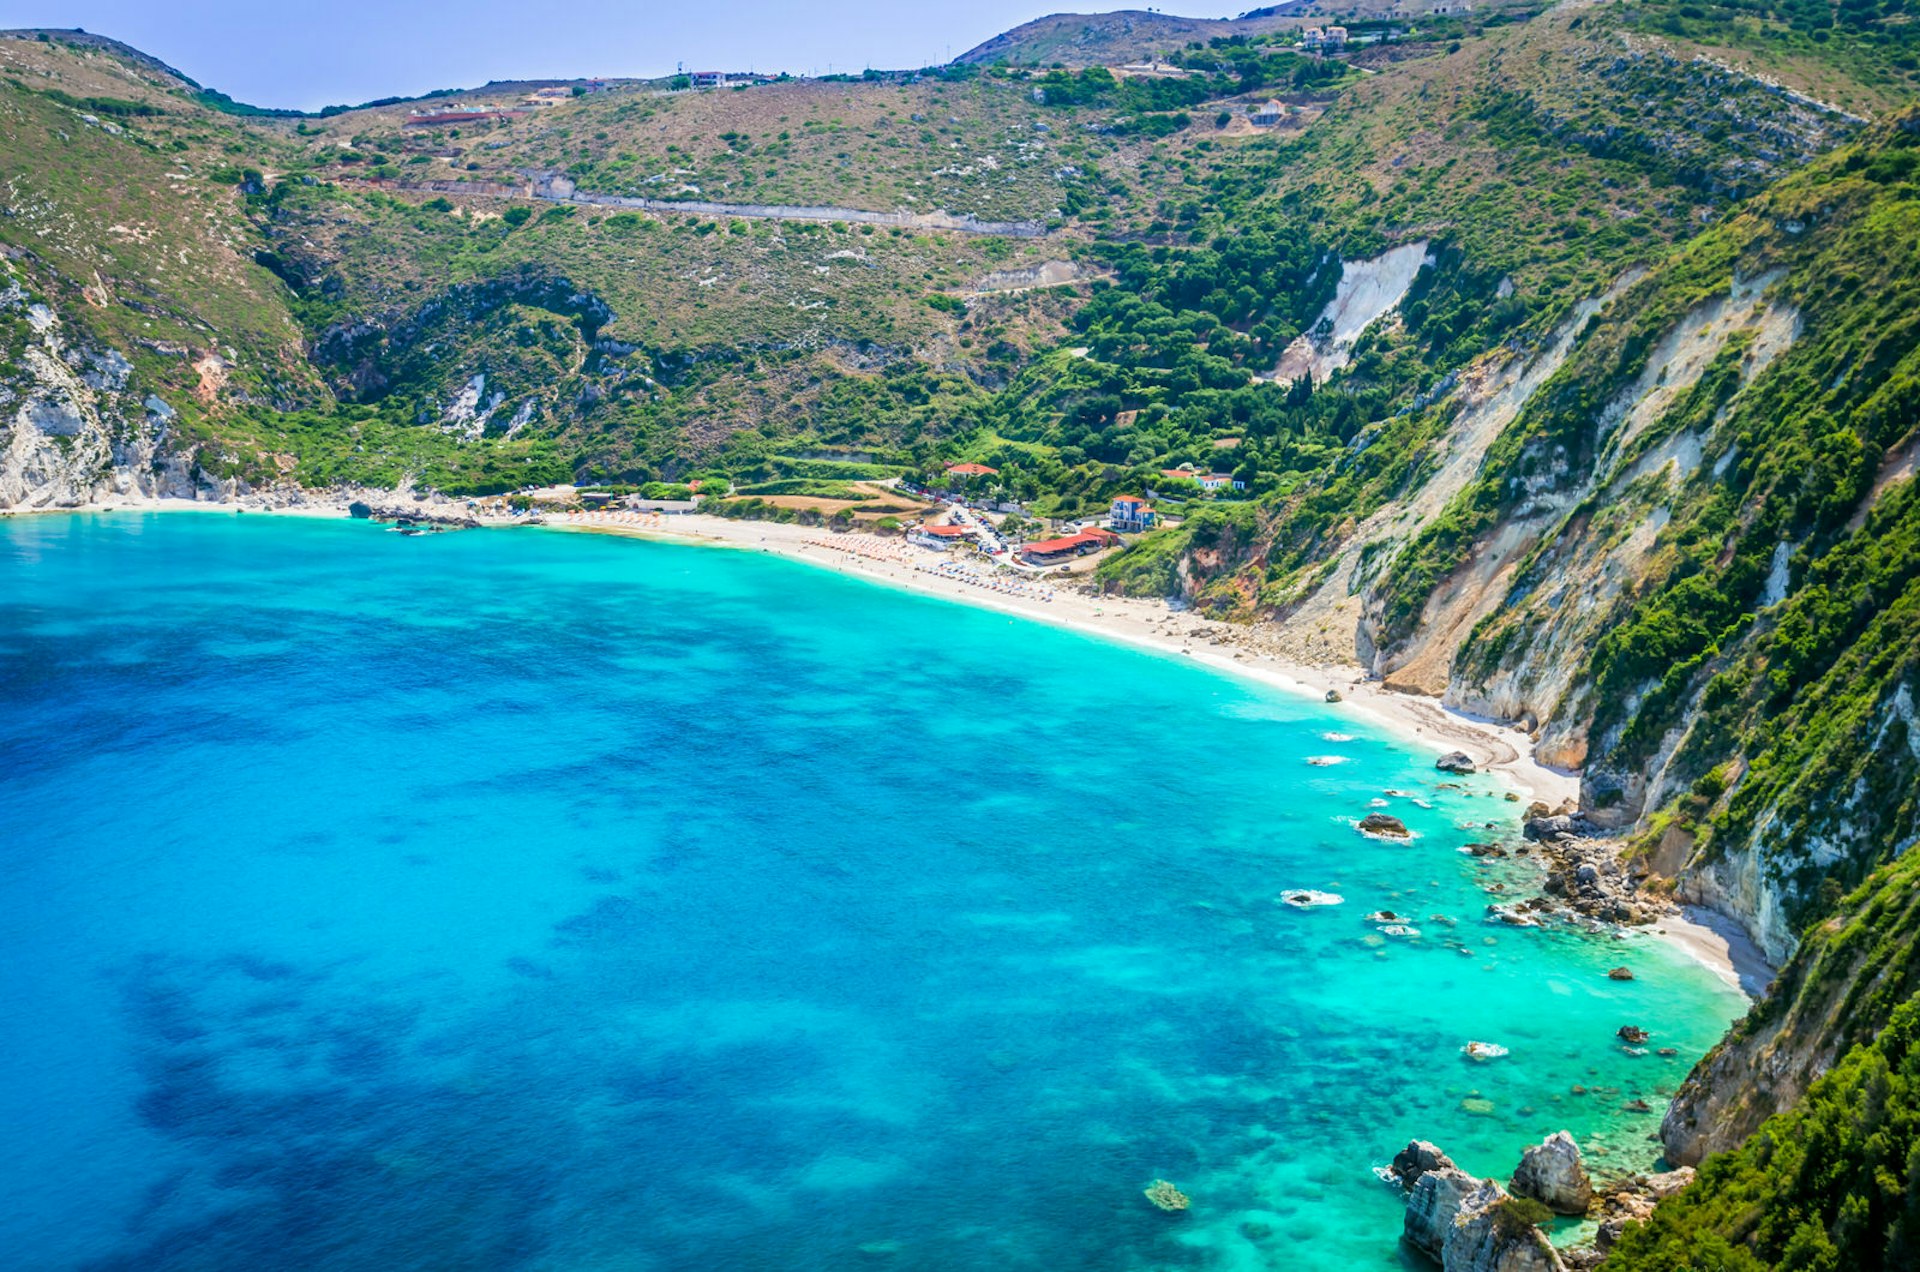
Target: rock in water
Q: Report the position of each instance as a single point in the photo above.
(1435, 1203)
(1633, 1035)
(359, 511)
(1493, 1232)
(1620, 974)
(1455, 762)
(1418, 1158)
(1383, 824)
(1164, 1195)
(1552, 1172)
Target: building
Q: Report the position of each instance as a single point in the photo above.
(454, 118)
(1268, 115)
(939, 538)
(971, 470)
(1219, 481)
(722, 79)
(1054, 551)
(1324, 39)
(1130, 514)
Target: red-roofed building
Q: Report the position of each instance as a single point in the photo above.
(1131, 514)
(971, 470)
(1052, 551)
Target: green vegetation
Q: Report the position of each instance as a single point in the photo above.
(1834, 1184)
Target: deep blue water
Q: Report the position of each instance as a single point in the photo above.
(519, 900)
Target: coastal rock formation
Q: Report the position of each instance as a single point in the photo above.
(74, 425)
(1632, 1199)
(1383, 824)
(1552, 1172)
(1418, 1158)
(1467, 1223)
(1433, 1204)
(1493, 1232)
(1455, 762)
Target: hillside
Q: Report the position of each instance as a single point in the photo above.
(1566, 357)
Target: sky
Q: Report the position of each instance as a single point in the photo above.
(303, 55)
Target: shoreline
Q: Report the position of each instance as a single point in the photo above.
(1717, 943)
(1713, 940)
(1152, 625)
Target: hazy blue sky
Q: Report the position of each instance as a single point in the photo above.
(297, 53)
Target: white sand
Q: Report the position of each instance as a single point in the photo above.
(1719, 944)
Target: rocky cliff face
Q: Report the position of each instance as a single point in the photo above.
(74, 425)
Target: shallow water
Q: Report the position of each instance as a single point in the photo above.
(518, 900)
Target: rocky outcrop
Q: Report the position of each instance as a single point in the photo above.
(1467, 1223)
(1418, 1158)
(1632, 1199)
(1383, 824)
(74, 426)
(1433, 1204)
(1492, 1233)
(1552, 1173)
(1455, 762)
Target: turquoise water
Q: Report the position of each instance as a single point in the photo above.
(520, 900)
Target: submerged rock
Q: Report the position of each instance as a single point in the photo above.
(1383, 824)
(1307, 899)
(1164, 1195)
(1552, 1173)
(1484, 1050)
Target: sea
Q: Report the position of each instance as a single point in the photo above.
(535, 900)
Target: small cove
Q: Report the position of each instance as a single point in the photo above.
(537, 901)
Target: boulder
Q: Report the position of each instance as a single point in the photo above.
(359, 511)
(1551, 1172)
(1383, 824)
(1434, 1204)
(1333, 695)
(1493, 1232)
(1620, 974)
(1631, 1200)
(1558, 826)
(1418, 1158)
(1633, 1035)
(1455, 762)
